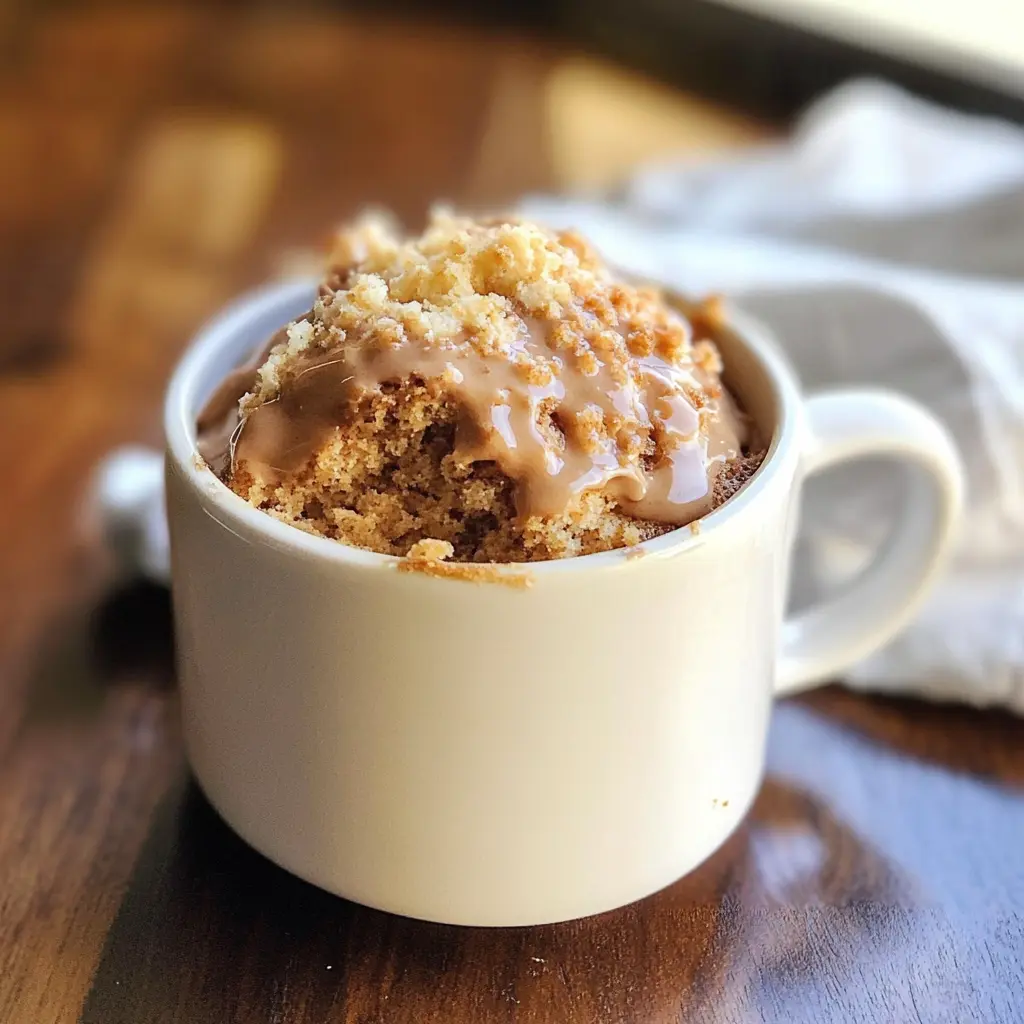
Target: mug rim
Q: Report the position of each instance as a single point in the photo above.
(236, 514)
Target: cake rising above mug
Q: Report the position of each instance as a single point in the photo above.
(488, 391)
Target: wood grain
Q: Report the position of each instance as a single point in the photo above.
(156, 159)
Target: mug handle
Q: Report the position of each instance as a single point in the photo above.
(822, 640)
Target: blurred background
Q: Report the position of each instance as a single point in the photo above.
(158, 158)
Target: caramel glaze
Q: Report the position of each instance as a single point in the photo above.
(219, 419)
(554, 438)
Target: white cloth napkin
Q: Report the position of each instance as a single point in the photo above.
(884, 243)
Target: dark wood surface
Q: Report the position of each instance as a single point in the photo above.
(152, 162)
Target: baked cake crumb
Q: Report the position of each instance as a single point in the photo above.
(430, 550)
(470, 572)
(446, 394)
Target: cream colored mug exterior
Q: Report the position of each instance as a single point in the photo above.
(490, 755)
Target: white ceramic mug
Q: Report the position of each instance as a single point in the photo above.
(491, 755)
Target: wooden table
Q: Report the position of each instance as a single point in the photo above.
(153, 161)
